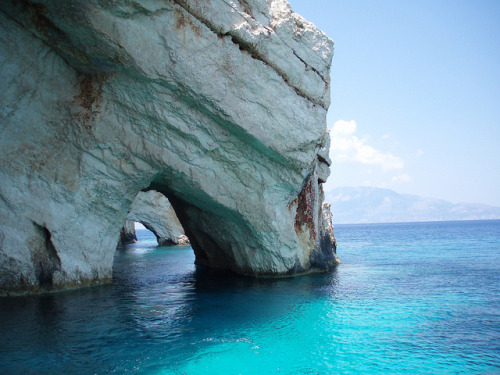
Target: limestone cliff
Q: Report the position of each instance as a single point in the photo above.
(219, 105)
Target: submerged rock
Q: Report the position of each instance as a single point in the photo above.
(154, 211)
(220, 106)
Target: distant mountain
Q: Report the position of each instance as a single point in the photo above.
(375, 205)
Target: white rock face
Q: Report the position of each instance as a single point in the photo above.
(154, 211)
(218, 105)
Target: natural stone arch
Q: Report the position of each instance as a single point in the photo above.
(153, 210)
(220, 107)
(302, 239)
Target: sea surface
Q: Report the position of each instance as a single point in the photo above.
(412, 298)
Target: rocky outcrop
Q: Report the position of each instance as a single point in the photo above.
(127, 234)
(220, 106)
(327, 237)
(153, 210)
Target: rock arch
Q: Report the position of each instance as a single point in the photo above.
(154, 211)
(219, 106)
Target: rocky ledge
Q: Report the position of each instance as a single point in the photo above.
(218, 105)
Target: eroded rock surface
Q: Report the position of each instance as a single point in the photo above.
(154, 211)
(220, 106)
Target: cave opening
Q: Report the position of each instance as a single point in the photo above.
(152, 211)
(215, 232)
(191, 216)
(143, 233)
(152, 230)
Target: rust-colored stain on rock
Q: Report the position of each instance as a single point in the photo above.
(305, 210)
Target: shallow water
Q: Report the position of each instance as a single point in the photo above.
(420, 298)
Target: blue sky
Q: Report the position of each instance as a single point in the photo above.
(415, 95)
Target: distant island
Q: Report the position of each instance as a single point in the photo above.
(353, 205)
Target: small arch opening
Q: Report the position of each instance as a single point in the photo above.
(151, 212)
(143, 234)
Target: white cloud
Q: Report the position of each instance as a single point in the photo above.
(419, 153)
(347, 147)
(345, 128)
(400, 179)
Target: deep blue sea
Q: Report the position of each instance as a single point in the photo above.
(412, 298)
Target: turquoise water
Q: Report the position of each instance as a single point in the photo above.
(415, 298)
